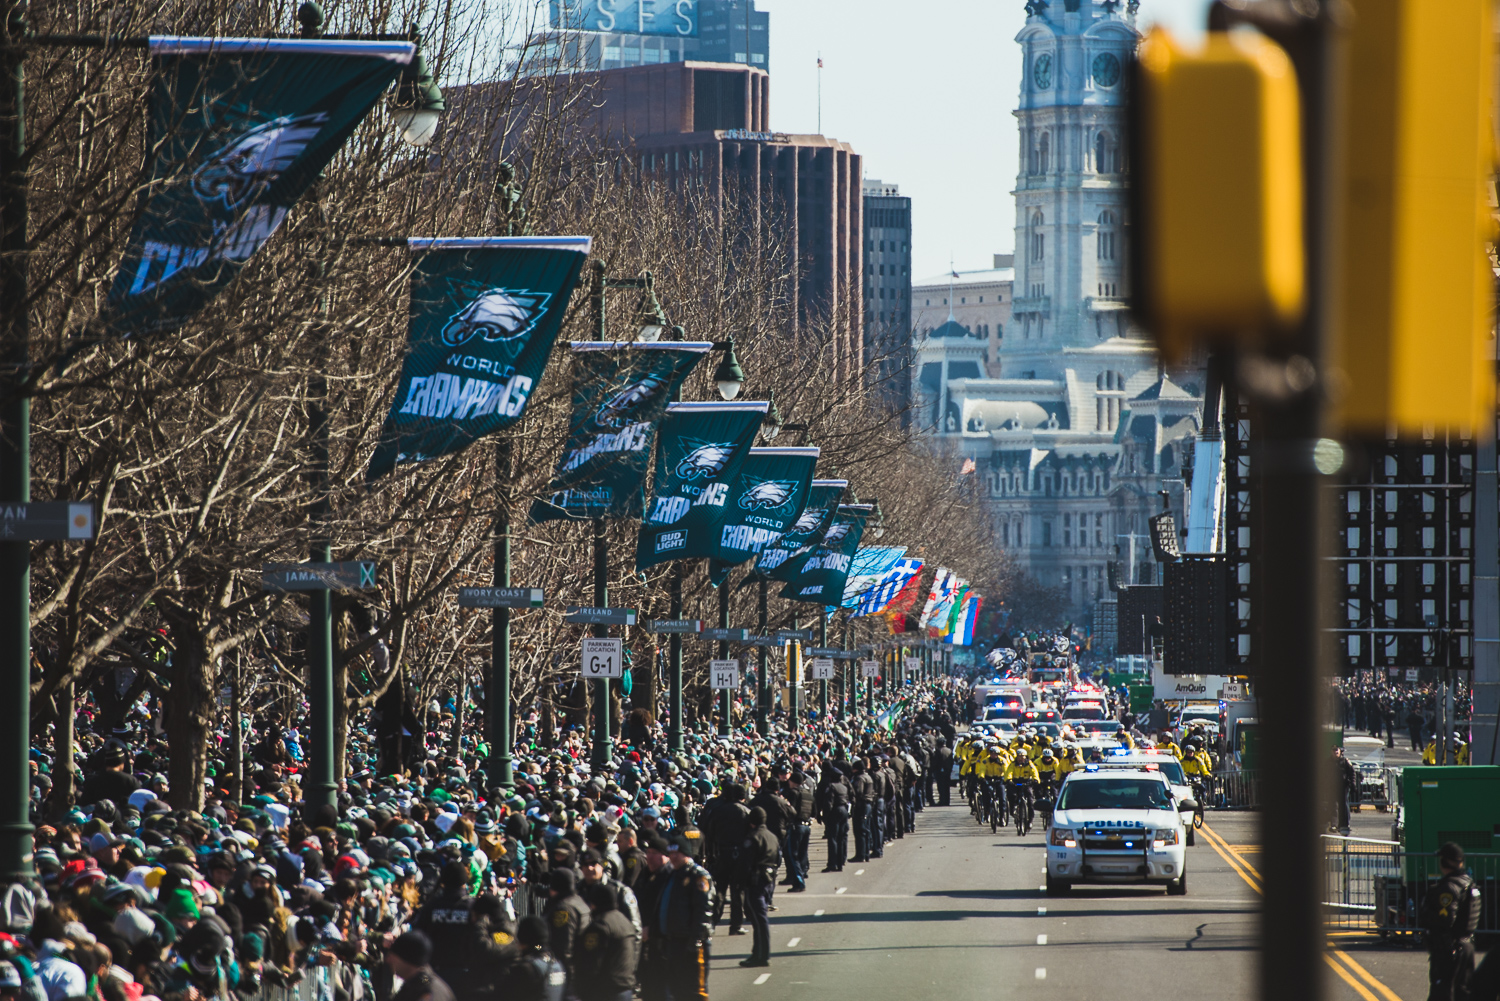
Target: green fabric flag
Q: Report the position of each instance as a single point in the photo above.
(239, 128)
(823, 572)
(766, 499)
(780, 560)
(703, 446)
(620, 392)
(484, 314)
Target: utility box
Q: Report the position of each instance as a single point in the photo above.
(1443, 803)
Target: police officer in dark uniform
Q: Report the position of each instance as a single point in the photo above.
(632, 859)
(723, 821)
(532, 974)
(409, 958)
(940, 768)
(1450, 913)
(833, 807)
(799, 829)
(652, 972)
(566, 915)
(685, 920)
(605, 960)
(453, 929)
(864, 808)
(758, 860)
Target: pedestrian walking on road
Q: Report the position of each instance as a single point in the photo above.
(941, 767)
(1450, 914)
(834, 809)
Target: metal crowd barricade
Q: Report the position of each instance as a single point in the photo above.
(1238, 789)
(1372, 885)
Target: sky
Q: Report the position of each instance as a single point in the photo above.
(925, 92)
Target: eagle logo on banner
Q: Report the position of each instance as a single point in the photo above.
(496, 314)
(810, 520)
(619, 408)
(705, 459)
(836, 533)
(254, 159)
(767, 495)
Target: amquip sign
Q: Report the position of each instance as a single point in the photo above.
(1190, 687)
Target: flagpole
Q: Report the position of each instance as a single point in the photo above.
(820, 93)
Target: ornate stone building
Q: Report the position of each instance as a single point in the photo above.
(1072, 424)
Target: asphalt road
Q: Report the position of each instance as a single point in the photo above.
(956, 912)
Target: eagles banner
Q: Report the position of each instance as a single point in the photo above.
(239, 128)
(620, 392)
(703, 446)
(822, 574)
(765, 500)
(484, 314)
(778, 561)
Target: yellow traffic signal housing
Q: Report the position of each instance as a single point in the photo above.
(1218, 190)
(1416, 285)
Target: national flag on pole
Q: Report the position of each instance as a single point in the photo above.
(883, 593)
(968, 619)
(887, 719)
(820, 62)
(898, 611)
(944, 588)
(870, 566)
(968, 467)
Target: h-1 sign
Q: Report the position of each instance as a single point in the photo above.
(724, 674)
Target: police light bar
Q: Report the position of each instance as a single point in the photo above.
(1091, 768)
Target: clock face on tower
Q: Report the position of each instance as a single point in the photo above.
(1041, 71)
(1106, 70)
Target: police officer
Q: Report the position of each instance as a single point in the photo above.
(940, 768)
(833, 807)
(566, 915)
(456, 940)
(632, 858)
(758, 857)
(409, 957)
(652, 970)
(864, 797)
(1450, 913)
(607, 950)
(799, 828)
(532, 974)
(723, 823)
(685, 920)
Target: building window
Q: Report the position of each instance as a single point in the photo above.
(1038, 240)
(1041, 154)
(1106, 236)
(1047, 534)
(1106, 154)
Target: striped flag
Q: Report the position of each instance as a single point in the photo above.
(968, 619)
(968, 467)
(883, 592)
(944, 586)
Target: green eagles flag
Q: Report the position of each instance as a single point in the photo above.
(239, 128)
(703, 446)
(484, 314)
(766, 499)
(779, 560)
(822, 574)
(620, 392)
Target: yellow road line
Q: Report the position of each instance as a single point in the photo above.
(1368, 977)
(1252, 878)
(1359, 988)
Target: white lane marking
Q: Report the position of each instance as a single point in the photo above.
(1042, 889)
(859, 872)
(766, 976)
(818, 914)
(842, 889)
(793, 943)
(1041, 940)
(1041, 912)
(1041, 973)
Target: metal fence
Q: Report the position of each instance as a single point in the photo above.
(1373, 885)
(1237, 789)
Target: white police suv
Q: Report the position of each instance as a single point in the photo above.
(1116, 826)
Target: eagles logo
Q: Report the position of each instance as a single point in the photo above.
(254, 159)
(836, 533)
(705, 459)
(809, 521)
(495, 314)
(618, 409)
(766, 495)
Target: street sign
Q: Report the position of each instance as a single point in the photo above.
(675, 626)
(1412, 674)
(348, 576)
(822, 669)
(869, 668)
(800, 635)
(913, 664)
(47, 520)
(600, 616)
(830, 651)
(499, 597)
(762, 641)
(724, 674)
(602, 657)
(729, 635)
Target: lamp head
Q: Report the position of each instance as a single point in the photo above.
(650, 321)
(729, 377)
(419, 101)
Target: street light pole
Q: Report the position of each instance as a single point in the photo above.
(674, 660)
(762, 682)
(498, 729)
(794, 678)
(823, 684)
(15, 455)
(601, 752)
(726, 704)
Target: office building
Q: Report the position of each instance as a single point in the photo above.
(887, 235)
(586, 35)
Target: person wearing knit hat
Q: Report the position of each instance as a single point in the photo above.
(408, 956)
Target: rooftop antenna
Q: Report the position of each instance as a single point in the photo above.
(952, 274)
(820, 93)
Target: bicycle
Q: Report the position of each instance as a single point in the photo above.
(1023, 809)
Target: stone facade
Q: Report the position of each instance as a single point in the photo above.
(1049, 385)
